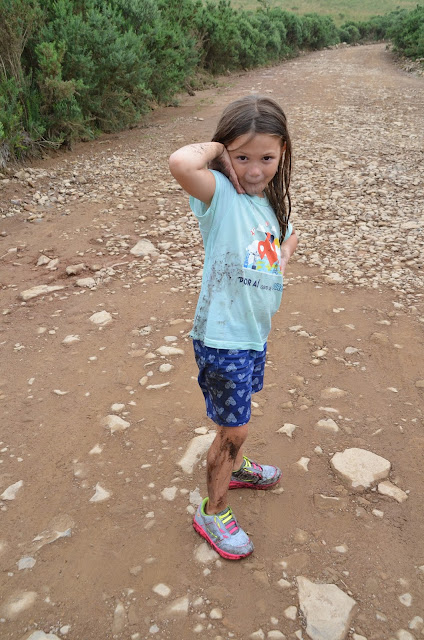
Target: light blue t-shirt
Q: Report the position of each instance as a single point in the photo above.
(242, 282)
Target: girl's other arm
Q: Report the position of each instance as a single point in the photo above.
(189, 166)
(287, 250)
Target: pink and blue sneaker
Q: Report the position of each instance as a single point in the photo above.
(252, 475)
(223, 533)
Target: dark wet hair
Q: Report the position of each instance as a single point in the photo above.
(257, 114)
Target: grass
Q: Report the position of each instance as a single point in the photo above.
(339, 10)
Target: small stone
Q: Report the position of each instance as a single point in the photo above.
(115, 423)
(334, 278)
(216, 614)
(402, 634)
(327, 609)
(40, 635)
(419, 384)
(14, 605)
(162, 590)
(303, 463)
(417, 623)
(166, 367)
(100, 494)
(386, 488)
(332, 392)
(158, 386)
(288, 429)
(27, 562)
(89, 283)
(42, 260)
(143, 248)
(101, 318)
(195, 450)
(377, 513)
(119, 619)
(169, 493)
(134, 571)
(328, 424)
(257, 635)
(275, 634)
(170, 338)
(179, 607)
(360, 468)
(329, 502)
(170, 351)
(11, 491)
(117, 407)
(406, 599)
(40, 290)
(342, 548)
(205, 554)
(70, 340)
(290, 613)
(74, 269)
(284, 584)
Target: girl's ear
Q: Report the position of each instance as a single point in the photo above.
(283, 148)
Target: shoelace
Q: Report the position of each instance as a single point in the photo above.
(250, 467)
(229, 522)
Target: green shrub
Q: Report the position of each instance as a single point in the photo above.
(407, 33)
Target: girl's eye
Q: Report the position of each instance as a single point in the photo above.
(268, 158)
(241, 157)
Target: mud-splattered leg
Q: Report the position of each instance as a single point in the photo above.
(224, 455)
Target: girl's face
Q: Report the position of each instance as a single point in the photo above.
(255, 160)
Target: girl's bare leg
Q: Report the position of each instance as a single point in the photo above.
(224, 455)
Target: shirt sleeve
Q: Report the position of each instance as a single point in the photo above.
(206, 215)
(288, 232)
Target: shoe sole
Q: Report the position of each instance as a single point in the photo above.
(237, 484)
(223, 554)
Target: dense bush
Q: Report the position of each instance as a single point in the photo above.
(72, 68)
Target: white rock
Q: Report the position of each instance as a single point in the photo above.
(117, 407)
(327, 609)
(170, 338)
(288, 429)
(216, 614)
(27, 562)
(351, 350)
(360, 468)
(328, 424)
(169, 493)
(197, 447)
(334, 278)
(59, 527)
(115, 423)
(158, 386)
(332, 392)
(143, 248)
(40, 290)
(101, 318)
(58, 392)
(195, 497)
(284, 584)
(74, 269)
(119, 619)
(341, 548)
(165, 350)
(290, 613)
(417, 623)
(275, 634)
(303, 463)
(89, 283)
(11, 491)
(100, 495)
(205, 554)
(386, 488)
(377, 513)
(95, 450)
(405, 599)
(257, 635)
(402, 634)
(166, 367)
(356, 636)
(40, 635)
(42, 260)
(179, 606)
(162, 590)
(70, 339)
(17, 603)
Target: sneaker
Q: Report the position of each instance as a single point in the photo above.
(252, 475)
(223, 533)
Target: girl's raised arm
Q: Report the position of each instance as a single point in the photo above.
(189, 166)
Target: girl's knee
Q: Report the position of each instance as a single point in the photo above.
(234, 435)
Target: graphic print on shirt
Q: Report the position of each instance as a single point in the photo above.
(264, 254)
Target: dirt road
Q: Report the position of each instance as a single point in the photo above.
(96, 539)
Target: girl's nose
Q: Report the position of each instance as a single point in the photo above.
(254, 170)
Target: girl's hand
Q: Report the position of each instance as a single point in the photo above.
(285, 257)
(223, 164)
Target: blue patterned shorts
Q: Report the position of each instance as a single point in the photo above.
(227, 378)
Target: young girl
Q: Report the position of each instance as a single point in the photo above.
(239, 188)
